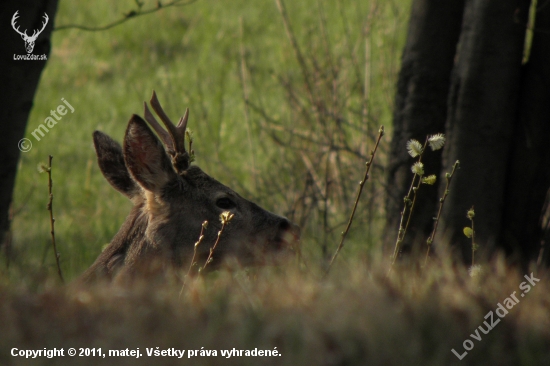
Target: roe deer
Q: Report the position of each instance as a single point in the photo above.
(171, 201)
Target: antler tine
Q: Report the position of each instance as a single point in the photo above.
(180, 157)
(183, 120)
(13, 19)
(177, 134)
(44, 23)
(165, 137)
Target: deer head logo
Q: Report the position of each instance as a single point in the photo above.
(29, 41)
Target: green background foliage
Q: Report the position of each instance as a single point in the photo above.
(282, 149)
(192, 57)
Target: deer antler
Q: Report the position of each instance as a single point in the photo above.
(174, 139)
(35, 34)
(13, 19)
(24, 34)
(164, 136)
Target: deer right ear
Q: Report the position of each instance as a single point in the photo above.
(111, 163)
(145, 157)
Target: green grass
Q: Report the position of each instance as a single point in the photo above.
(191, 56)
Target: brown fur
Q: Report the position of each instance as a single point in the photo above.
(169, 209)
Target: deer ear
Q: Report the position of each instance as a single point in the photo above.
(111, 163)
(145, 157)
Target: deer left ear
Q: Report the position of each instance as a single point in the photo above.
(145, 157)
(111, 163)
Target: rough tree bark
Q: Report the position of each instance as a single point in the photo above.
(528, 177)
(421, 108)
(497, 116)
(483, 108)
(19, 80)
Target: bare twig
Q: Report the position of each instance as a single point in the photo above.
(361, 184)
(193, 262)
(129, 15)
(415, 193)
(317, 127)
(407, 202)
(225, 217)
(52, 219)
(448, 177)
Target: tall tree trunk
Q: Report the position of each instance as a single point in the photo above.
(483, 107)
(19, 80)
(497, 123)
(528, 177)
(421, 108)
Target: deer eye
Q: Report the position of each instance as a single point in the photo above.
(225, 203)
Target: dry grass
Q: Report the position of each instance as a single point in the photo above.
(355, 316)
(309, 127)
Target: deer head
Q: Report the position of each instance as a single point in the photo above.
(172, 198)
(29, 41)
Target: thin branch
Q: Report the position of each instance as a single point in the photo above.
(448, 176)
(52, 219)
(407, 201)
(361, 184)
(303, 136)
(193, 262)
(129, 15)
(225, 217)
(415, 192)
